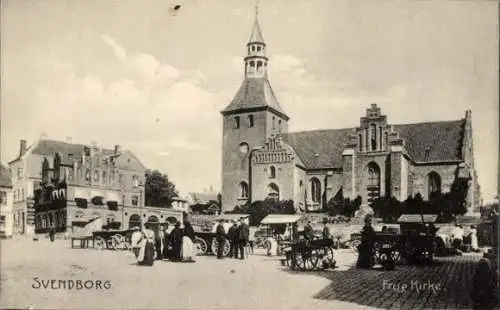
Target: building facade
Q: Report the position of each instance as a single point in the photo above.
(75, 182)
(375, 158)
(6, 203)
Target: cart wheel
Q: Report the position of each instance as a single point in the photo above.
(100, 243)
(226, 249)
(315, 258)
(303, 261)
(117, 242)
(201, 246)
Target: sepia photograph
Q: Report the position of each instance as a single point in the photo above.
(249, 154)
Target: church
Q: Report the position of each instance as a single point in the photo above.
(375, 158)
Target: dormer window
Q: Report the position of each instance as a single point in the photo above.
(250, 120)
(236, 122)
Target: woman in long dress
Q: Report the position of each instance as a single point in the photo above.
(146, 253)
(365, 249)
(188, 243)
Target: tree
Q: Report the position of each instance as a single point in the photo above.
(259, 209)
(159, 190)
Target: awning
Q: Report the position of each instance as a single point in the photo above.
(281, 219)
(232, 216)
(417, 218)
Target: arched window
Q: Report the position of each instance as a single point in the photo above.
(434, 184)
(250, 120)
(315, 190)
(259, 48)
(360, 142)
(373, 137)
(279, 125)
(373, 182)
(273, 191)
(252, 63)
(259, 65)
(236, 122)
(274, 122)
(253, 48)
(272, 172)
(244, 190)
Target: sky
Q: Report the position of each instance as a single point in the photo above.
(128, 72)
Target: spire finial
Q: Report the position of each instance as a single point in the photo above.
(256, 9)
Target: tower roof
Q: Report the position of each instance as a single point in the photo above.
(255, 93)
(256, 36)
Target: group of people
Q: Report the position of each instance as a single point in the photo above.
(238, 235)
(465, 238)
(172, 243)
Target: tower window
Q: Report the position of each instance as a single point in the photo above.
(279, 125)
(373, 137)
(250, 120)
(253, 48)
(258, 48)
(259, 64)
(236, 122)
(272, 172)
(252, 64)
(274, 122)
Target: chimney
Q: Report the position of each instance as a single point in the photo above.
(22, 147)
(118, 150)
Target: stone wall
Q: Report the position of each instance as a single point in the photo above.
(420, 178)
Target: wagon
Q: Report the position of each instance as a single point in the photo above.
(205, 241)
(113, 239)
(310, 255)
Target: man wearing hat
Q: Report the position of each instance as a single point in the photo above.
(176, 242)
(232, 235)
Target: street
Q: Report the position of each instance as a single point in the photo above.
(259, 282)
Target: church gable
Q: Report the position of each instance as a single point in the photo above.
(424, 142)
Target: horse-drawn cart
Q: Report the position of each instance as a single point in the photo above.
(307, 255)
(112, 239)
(205, 241)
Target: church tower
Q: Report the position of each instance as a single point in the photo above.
(249, 120)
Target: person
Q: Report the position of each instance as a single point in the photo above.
(473, 237)
(484, 291)
(308, 231)
(52, 233)
(326, 230)
(242, 237)
(233, 240)
(158, 243)
(166, 238)
(188, 242)
(251, 237)
(220, 237)
(135, 241)
(365, 249)
(176, 242)
(458, 236)
(146, 253)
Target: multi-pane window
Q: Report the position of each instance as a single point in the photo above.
(135, 200)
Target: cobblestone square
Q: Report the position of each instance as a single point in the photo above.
(259, 282)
